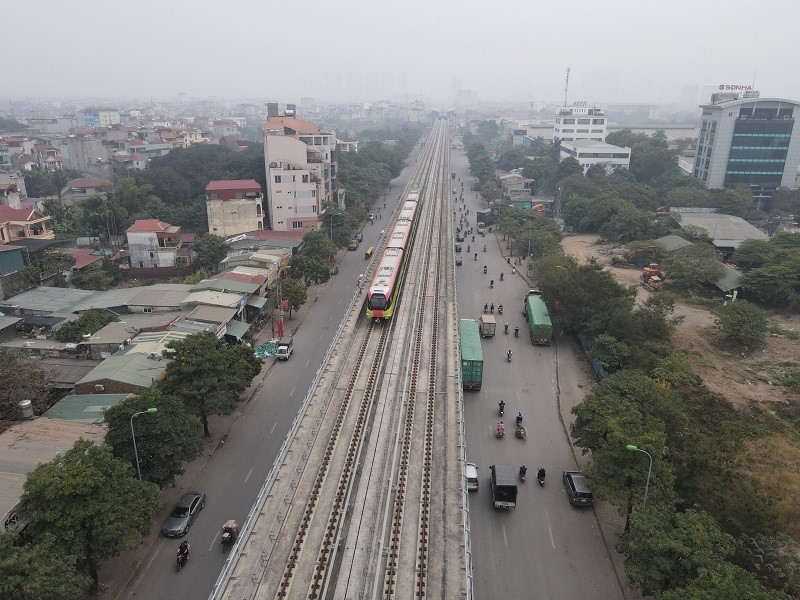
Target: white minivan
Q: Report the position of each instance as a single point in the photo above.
(471, 473)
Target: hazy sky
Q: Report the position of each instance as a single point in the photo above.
(345, 50)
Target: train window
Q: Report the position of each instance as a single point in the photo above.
(377, 302)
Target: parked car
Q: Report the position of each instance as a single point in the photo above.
(371, 217)
(459, 237)
(360, 236)
(353, 245)
(458, 247)
(471, 473)
(578, 491)
(184, 513)
(458, 261)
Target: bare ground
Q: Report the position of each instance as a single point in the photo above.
(743, 380)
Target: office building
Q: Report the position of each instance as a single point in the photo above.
(746, 139)
(591, 152)
(580, 122)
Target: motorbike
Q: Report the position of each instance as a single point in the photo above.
(473, 238)
(502, 407)
(501, 429)
(506, 329)
(508, 355)
(499, 309)
(485, 308)
(484, 269)
(491, 308)
(181, 559)
(230, 531)
(540, 477)
(501, 277)
(467, 248)
(516, 332)
(523, 471)
(491, 284)
(484, 247)
(476, 256)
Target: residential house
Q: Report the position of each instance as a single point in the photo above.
(23, 223)
(234, 206)
(80, 189)
(156, 248)
(132, 162)
(47, 157)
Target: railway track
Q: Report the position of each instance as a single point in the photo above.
(320, 517)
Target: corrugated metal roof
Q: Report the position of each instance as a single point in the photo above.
(155, 296)
(227, 285)
(730, 278)
(470, 340)
(65, 372)
(256, 301)
(672, 242)
(9, 321)
(236, 329)
(84, 407)
(133, 368)
(213, 298)
(211, 314)
(723, 228)
(48, 299)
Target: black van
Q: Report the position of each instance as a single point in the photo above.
(504, 486)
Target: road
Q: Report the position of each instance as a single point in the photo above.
(544, 548)
(234, 475)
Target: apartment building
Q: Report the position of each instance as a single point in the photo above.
(154, 245)
(302, 172)
(234, 206)
(591, 152)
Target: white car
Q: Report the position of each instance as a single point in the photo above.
(471, 473)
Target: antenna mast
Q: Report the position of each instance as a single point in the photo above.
(566, 87)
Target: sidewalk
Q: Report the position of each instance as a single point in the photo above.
(570, 392)
(118, 574)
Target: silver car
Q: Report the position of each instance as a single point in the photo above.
(184, 513)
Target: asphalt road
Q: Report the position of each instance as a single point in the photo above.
(545, 548)
(234, 475)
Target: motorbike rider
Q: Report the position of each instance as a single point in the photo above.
(484, 247)
(183, 551)
(486, 308)
(501, 277)
(516, 331)
(519, 419)
(508, 355)
(467, 248)
(500, 309)
(476, 256)
(502, 406)
(473, 238)
(506, 328)
(491, 283)
(523, 470)
(501, 428)
(540, 474)
(492, 306)
(484, 269)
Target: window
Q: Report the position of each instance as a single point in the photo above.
(569, 121)
(313, 193)
(152, 254)
(297, 224)
(583, 121)
(147, 309)
(305, 178)
(277, 178)
(141, 264)
(598, 121)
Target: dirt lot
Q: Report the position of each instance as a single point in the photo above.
(742, 380)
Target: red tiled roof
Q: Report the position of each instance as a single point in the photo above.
(87, 182)
(297, 125)
(18, 214)
(84, 258)
(136, 143)
(42, 147)
(148, 225)
(9, 247)
(232, 184)
(8, 186)
(243, 277)
(188, 237)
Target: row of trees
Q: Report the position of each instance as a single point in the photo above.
(87, 505)
(710, 529)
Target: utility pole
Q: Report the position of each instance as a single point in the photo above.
(566, 87)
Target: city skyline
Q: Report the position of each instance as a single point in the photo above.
(356, 51)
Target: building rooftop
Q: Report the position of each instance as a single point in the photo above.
(161, 296)
(593, 145)
(211, 314)
(48, 299)
(672, 242)
(65, 372)
(726, 231)
(227, 285)
(213, 298)
(232, 184)
(88, 182)
(84, 407)
(289, 126)
(140, 225)
(131, 367)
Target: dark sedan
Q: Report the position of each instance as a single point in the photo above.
(184, 514)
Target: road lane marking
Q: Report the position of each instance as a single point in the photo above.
(308, 362)
(550, 529)
(213, 542)
(248, 475)
(505, 539)
(149, 562)
(320, 337)
(274, 425)
(292, 392)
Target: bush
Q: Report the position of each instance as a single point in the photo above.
(741, 324)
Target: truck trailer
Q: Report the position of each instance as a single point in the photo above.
(488, 325)
(538, 318)
(471, 355)
(504, 486)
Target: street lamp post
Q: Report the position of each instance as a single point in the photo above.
(133, 436)
(633, 448)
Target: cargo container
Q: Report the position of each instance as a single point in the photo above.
(471, 355)
(504, 486)
(538, 319)
(485, 215)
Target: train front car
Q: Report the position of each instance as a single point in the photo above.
(385, 288)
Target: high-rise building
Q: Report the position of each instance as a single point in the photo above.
(748, 139)
(580, 122)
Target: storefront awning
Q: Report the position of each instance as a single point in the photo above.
(236, 329)
(256, 301)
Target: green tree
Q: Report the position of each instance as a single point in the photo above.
(91, 278)
(722, 581)
(165, 440)
(209, 250)
(568, 166)
(692, 267)
(741, 324)
(735, 201)
(628, 223)
(513, 157)
(488, 129)
(40, 183)
(667, 549)
(39, 570)
(90, 321)
(609, 352)
(540, 170)
(91, 500)
(294, 293)
(688, 197)
(206, 378)
(22, 379)
(775, 285)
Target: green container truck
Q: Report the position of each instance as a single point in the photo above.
(538, 319)
(471, 355)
